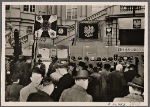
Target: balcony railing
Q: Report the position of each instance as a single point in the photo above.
(125, 8)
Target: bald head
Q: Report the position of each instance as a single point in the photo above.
(119, 67)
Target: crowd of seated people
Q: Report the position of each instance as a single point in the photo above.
(78, 80)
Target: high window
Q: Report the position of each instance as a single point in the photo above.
(7, 7)
(29, 8)
(71, 12)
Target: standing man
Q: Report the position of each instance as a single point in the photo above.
(95, 85)
(116, 83)
(104, 75)
(136, 62)
(51, 68)
(40, 65)
(33, 87)
(136, 88)
(13, 90)
(77, 93)
(81, 66)
(66, 81)
(43, 95)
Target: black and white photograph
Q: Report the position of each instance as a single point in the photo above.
(74, 54)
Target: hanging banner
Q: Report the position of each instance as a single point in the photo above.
(88, 30)
(137, 23)
(62, 30)
(130, 49)
(45, 26)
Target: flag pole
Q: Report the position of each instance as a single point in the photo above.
(76, 32)
(34, 45)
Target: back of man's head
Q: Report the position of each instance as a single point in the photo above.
(90, 65)
(107, 66)
(119, 67)
(15, 78)
(47, 81)
(82, 82)
(48, 85)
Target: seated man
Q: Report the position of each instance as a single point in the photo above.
(34, 86)
(77, 93)
(43, 94)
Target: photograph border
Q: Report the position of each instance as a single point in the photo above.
(145, 103)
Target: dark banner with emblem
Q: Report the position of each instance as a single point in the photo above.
(137, 23)
(45, 26)
(62, 30)
(88, 30)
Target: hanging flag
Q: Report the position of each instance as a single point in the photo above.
(136, 23)
(45, 26)
(62, 30)
(88, 30)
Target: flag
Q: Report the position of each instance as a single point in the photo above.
(136, 23)
(62, 30)
(88, 30)
(45, 26)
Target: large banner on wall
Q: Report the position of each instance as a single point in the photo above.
(88, 30)
(45, 26)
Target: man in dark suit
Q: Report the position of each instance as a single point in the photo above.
(20, 66)
(116, 83)
(40, 65)
(137, 62)
(13, 91)
(51, 68)
(136, 88)
(27, 72)
(66, 81)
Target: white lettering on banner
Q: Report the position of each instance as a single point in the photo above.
(130, 49)
(88, 31)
